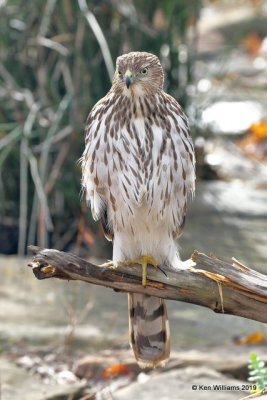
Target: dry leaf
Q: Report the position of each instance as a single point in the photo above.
(159, 20)
(115, 370)
(259, 130)
(256, 337)
(252, 43)
(88, 236)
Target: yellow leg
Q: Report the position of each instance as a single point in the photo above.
(143, 261)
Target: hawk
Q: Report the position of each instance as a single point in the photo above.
(138, 170)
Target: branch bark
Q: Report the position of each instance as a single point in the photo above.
(227, 288)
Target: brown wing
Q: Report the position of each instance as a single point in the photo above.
(96, 131)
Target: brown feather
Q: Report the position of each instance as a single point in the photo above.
(149, 330)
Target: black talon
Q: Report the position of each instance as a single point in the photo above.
(162, 270)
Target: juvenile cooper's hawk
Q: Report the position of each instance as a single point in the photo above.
(138, 170)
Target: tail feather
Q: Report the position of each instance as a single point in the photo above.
(149, 330)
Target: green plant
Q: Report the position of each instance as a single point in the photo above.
(257, 372)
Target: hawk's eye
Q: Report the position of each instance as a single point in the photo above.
(120, 73)
(144, 71)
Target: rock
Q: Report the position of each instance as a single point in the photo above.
(28, 362)
(231, 360)
(66, 377)
(184, 384)
(18, 384)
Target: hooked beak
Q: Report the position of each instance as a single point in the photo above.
(128, 78)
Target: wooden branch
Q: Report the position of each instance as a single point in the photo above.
(223, 287)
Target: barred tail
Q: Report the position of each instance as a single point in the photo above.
(149, 330)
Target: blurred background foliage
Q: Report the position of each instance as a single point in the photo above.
(56, 61)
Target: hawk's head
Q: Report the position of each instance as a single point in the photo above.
(138, 73)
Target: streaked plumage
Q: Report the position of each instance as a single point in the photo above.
(138, 171)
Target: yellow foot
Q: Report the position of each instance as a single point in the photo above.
(144, 261)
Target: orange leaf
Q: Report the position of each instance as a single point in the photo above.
(115, 370)
(259, 130)
(252, 43)
(256, 337)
